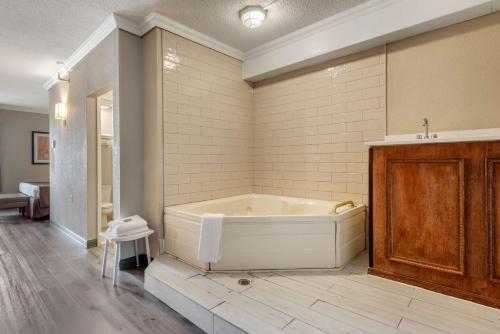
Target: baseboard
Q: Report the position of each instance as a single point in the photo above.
(130, 262)
(162, 245)
(72, 235)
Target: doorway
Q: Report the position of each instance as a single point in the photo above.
(105, 149)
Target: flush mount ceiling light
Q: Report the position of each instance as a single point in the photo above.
(253, 16)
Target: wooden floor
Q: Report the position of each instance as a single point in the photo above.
(50, 284)
(314, 302)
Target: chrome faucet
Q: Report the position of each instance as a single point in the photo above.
(425, 124)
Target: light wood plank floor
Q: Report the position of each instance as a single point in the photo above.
(310, 302)
(50, 284)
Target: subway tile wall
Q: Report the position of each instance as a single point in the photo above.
(310, 126)
(208, 123)
(300, 134)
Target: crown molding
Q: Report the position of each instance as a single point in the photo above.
(158, 20)
(368, 25)
(88, 45)
(151, 21)
(127, 25)
(315, 28)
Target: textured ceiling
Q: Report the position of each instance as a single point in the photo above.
(219, 18)
(35, 34)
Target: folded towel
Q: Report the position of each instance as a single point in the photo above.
(209, 248)
(135, 219)
(127, 226)
(124, 233)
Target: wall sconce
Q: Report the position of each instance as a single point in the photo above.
(61, 112)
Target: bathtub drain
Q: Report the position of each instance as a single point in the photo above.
(244, 281)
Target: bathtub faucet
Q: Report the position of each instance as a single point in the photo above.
(425, 124)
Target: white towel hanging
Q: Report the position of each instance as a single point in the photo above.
(209, 249)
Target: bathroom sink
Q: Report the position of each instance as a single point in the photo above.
(442, 137)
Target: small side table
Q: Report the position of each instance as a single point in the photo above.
(118, 240)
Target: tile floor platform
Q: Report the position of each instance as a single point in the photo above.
(312, 302)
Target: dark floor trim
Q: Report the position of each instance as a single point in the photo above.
(91, 243)
(129, 262)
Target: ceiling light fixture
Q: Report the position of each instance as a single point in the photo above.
(253, 16)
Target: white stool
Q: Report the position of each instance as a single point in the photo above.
(118, 240)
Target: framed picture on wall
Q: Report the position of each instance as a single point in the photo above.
(39, 148)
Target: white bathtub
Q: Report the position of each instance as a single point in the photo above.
(262, 232)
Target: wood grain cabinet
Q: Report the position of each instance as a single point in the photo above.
(435, 218)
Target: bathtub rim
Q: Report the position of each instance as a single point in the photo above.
(179, 211)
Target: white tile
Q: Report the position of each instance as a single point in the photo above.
(299, 327)
(197, 314)
(312, 302)
(300, 312)
(353, 319)
(390, 318)
(230, 281)
(258, 310)
(243, 320)
(221, 326)
(210, 286)
(185, 287)
(465, 321)
(414, 327)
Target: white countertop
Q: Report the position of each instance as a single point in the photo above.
(443, 137)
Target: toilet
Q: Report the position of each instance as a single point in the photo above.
(106, 205)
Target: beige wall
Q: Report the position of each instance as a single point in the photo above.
(72, 191)
(115, 64)
(450, 75)
(153, 134)
(207, 123)
(106, 163)
(15, 149)
(310, 126)
(129, 128)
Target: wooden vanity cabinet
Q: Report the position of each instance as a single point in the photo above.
(435, 217)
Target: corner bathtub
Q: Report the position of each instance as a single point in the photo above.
(265, 232)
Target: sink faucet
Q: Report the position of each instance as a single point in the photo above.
(425, 124)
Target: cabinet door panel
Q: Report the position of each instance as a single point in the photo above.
(425, 213)
(493, 210)
(436, 217)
